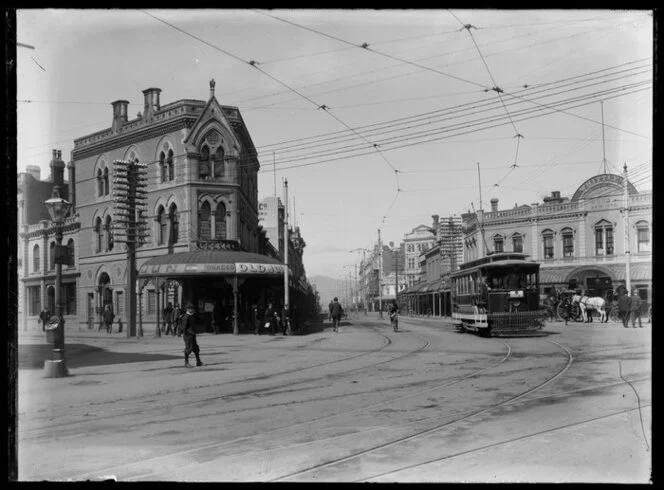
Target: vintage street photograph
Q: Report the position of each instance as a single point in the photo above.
(331, 245)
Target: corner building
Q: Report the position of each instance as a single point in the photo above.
(204, 242)
(579, 241)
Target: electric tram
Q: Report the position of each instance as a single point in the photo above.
(498, 295)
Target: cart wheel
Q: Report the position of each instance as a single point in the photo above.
(614, 315)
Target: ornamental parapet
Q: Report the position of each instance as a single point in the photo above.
(218, 244)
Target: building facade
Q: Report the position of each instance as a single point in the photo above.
(204, 243)
(271, 218)
(585, 241)
(36, 246)
(418, 240)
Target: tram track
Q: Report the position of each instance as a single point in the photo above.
(32, 433)
(437, 428)
(271, 432)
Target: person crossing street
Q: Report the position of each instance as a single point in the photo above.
(335, 312)
(189, 336)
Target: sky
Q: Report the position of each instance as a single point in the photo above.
(378, 119)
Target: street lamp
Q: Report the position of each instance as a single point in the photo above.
(58, 209)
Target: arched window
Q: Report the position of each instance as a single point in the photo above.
(100, 183)
(169, 163)
(36, 259)
(72, 252)
(109, 234)
(642, 237)
(162, 225)
(174, 224)
(220, 222)
(219, 162)
(51, 257)
(547, 241)
(498, 244)
(568, 242)
(204, 163)
(106, 184)
(517, 243)
(204, 221)
(99, 235)
(162, 166)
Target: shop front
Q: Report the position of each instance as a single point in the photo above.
(223, 285)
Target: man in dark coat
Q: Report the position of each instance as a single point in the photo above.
(176, 319)
(168, 318)
(256, 316)
(272, 318)
(189, 336)
(335, 312)
(44, 316)
(623, 308)
(635, 308)
(108, 318)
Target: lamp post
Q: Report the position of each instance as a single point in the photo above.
(58, 209)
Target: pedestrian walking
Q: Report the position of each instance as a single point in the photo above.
(168, 318)
(271, 318)
(189, 336)
(108, 318)
(44, 316)
(285, 321)
(393, 310)
(635, 309)
(623, 308)
(176, 320)
(549, 304)
(330, 308)
(256, 316)
(335, 312)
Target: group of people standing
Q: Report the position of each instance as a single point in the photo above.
(337, 311)
(630, 307)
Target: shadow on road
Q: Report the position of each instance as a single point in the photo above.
(81, 355)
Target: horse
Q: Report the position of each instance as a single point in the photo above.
(588, 304)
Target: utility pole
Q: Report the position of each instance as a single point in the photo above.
(396, 271)
(286, 312)
(628, 280)
(380, 277)
(130, 194)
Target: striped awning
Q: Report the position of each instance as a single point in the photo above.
(637, 272)
(555, 275)
(211, 262)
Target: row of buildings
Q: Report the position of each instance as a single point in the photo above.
(587, 241)
(207, 238)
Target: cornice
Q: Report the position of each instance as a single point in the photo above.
(141, 134)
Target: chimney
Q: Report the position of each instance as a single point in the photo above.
(150, 102)
(391, 244)
(34, 170)
(72, 185)
(494, 204)
(119, 114)
(57, 169)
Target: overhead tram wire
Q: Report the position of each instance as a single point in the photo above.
(423, 59)
(366, 46)
(255, 65)
(460, 129)
(400, 129)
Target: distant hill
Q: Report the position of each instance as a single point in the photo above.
(327, 287)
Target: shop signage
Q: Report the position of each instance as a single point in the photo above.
(265, 269)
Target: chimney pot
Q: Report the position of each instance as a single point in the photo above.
(494, 204)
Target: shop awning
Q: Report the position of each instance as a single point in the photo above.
(637, 272)
(211, 262)
(556, 275)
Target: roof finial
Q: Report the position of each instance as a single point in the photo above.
(212, 82)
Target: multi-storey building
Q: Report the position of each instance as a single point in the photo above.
(36, 246)
(205, 244)
(271, 218)
(418, 240)
(586, 241)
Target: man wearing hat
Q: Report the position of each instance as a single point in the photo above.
(189, 335)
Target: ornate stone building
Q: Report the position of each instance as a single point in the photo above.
(205, 244)
(579, 241)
